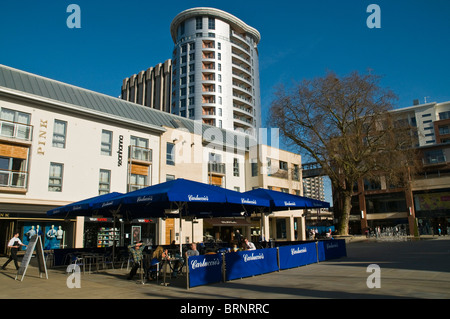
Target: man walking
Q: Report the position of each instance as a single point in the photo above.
(14, 244)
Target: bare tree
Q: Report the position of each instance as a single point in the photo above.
(345, 125)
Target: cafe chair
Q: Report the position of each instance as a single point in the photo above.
(154, 269)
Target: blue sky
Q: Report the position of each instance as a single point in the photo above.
(300, 40)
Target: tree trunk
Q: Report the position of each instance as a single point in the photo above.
(345, 216)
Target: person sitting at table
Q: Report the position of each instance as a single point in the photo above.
(249, 245)
(138, 257)
(160, 253)
(192, 251)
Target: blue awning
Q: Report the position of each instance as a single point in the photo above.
(283, 201)
(83, 207)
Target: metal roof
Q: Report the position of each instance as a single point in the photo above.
(97, 103)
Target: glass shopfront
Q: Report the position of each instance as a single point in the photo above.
(55, 233)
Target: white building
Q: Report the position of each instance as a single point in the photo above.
(215, 76)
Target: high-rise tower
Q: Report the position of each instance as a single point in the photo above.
(215, 70)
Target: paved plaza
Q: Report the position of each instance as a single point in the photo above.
(409, 269)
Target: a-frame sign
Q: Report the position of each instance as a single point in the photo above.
(34, 243)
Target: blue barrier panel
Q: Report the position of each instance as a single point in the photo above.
(205, 269)
(331, 249)
(297, 255)
(250, 263)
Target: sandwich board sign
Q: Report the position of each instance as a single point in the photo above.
(34, 243)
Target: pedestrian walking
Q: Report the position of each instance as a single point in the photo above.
(14, 244)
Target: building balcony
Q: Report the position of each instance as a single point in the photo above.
(140, 154)
(13, 180)
(16, 131)
(216, 168)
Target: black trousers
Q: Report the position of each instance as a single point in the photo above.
(135, 268)
(13, 256)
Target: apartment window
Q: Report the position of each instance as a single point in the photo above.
(237, 189)
(191, 101)
(15, 124)
(192, 89)
(183, 59)
(184, 48)
(59, 134)
(55, 177)
(170, 178)
(191, 78)
(106, 146)
(236, 167)
(434, 157)
(283, 166)
(444, 115)
(191, 57)
(426, 115)
(170, 154)
(104, 183)
(182, 91)
(254, 169)
(191, 67)
(199, 23)
(211, 23)
(443, 130)
(192, 46)
(137, 182)
(219, 56)
(296, 175)
(220, 123)
(191, 112)
(139, 149)
(219, 46)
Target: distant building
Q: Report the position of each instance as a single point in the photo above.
(426, 205)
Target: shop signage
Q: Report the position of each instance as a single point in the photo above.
(197, 198)
(261, 261)
(297, 255)
(98, 219)
(120, 151)
(42, 138)
(204, 270)
(34, 243)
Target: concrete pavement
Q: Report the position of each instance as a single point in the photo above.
(409, 269)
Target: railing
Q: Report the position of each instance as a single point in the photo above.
(216, 168)
(16, 130)
(14, 179)
(440, 159)
(135, 187)
(141, 153)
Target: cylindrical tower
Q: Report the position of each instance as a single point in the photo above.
(216, 70)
